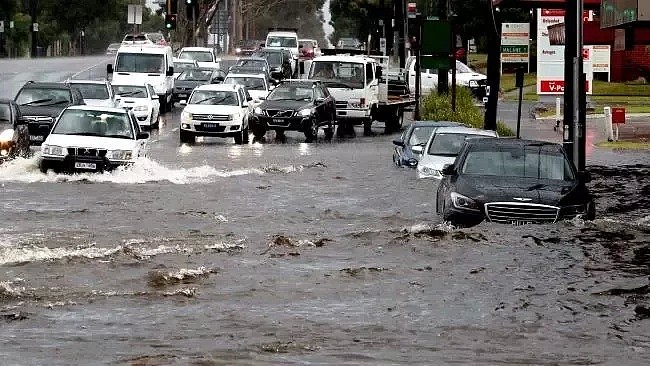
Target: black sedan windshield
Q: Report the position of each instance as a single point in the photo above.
(291, 93)
(43, 97)
(449, 144)
(94, 123)
(195, 75)
(519, 162)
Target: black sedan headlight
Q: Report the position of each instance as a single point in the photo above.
(463, 202)
(412, 162)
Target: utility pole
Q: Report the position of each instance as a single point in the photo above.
(443, 73)
(574, 138)
(33, 6)
(493, 68)
(400, 25)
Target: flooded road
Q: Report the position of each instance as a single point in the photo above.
(325, 253)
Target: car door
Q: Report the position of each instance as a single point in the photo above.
(330, 103)
(141, 143)
(155, 102)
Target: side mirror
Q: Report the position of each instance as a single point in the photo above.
(183, 102)
(170, 71)
(378, 73)
(399, 143)
(585, 177)
(448, 169)
(109, 68)
(143, 136)
(302, 67)
(417, 149)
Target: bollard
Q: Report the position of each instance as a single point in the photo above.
(558, 113)
(608, 123)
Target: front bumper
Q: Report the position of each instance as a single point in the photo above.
(144, 118)
(214, 129)
(352, 113)
(77, 164)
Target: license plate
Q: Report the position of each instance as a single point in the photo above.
(89, 166)
(278, 120)
(520, 222)
(182, 95)
(210, 125)
(36, 138)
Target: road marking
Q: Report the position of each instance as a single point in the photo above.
(87, 69)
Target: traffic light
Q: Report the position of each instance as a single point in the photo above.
(170, 21)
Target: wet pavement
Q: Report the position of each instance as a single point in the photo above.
(323, 253)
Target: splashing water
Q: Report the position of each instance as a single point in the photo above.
(143, 171)
(327, 18)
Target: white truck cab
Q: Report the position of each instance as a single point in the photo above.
(284, 38)
(203, 55)
(146, 64)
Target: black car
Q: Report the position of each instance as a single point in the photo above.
(417, 134)
(279, 61)
(512, 181)
(246, 47)
(14, 136)
(296, 105)
(41, 103)
(191, 78)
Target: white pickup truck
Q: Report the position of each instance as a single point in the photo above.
(361, 92)
(465, 76)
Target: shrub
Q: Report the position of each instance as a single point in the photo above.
(438, 108)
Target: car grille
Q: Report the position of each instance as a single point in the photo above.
(38, 119)
(279, 113)
(210, 117)
(341, 104)
(515, 213)
(89, 152)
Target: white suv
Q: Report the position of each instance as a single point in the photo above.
(97, 93)
(142, 100)
(217, 110)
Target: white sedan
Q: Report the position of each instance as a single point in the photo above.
(256, 84)
(142, 100)
(92, 139)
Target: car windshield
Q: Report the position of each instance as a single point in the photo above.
(307, 44)
(462, 68)
(92, 91)
(278, 41)
(94, 123)
(291, 92)
(420, 135)
(114, 45)
(130, 91)
(273, 58)
(214, 97)
(250, 83)
(347, 42)
(140, 63)
(179, 66)
(521, 162)
(195, 75)
(338, 74)
(449, 144)
(43, 96)
(5, 113)
(253, 64)
(247, 43)
(200, 56)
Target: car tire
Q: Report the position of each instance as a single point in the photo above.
(239, 138)
(310, 129)
(394, 123)
(246, 135)
(367, 127)
(259, 132)
(187, 138)
(591, 211)
(44, 167)
(163, 103)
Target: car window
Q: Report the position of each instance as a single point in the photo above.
(195, 75)
(5, 113)
(449, 144)
(250, 83)
(92, 91)
(130, 91)
(214, 97)
(318, 93)
(519, 162)
(291, 92)
(420, 135)
(43, 96)
(279, 41)
(369, 73)
(94, 123)
(200, 56)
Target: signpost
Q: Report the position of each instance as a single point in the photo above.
(515, 44)
(134, 16)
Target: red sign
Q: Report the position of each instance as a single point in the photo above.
(618, 115)
(556, 86)
(585, 53)
(412, 8)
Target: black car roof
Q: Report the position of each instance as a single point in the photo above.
(436, 124)
(507, 142)
(36, 84)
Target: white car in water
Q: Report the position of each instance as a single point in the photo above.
(217, 110)
(203, 55)
(256, 84)
(443, 147)
(97, 93)
(92, 139)
(142, 100)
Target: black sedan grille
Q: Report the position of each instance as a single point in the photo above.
(211, 117)
(521, 213)
(274, 113)
(86, 152)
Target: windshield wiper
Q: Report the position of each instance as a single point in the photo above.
(127, 94)
(58, 102)
(337, 84)
(77, 133)
(38, 101)
(118, 136)
(211, 98)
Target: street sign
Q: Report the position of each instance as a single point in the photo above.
(412, 10)
(382, 46)
(11, 24)
(436, 38)
(35, 27)
(220, 19)
(134, 15)
(2, 26)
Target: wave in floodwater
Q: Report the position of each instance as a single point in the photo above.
(144, 170)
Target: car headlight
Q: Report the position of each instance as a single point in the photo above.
(237, 50)
(412, 162)
(259, 111)
(119, 154)
(463, 202)
(473, 84)
(140, 108)
(186, 116)
(52, 150)
(429, 172)
(7, 135)
(305, 112)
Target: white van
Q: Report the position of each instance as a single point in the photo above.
(146, 64)
(284, 38)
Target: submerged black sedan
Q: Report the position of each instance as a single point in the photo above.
(512, 181)
(408, 147)
(14, 135)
